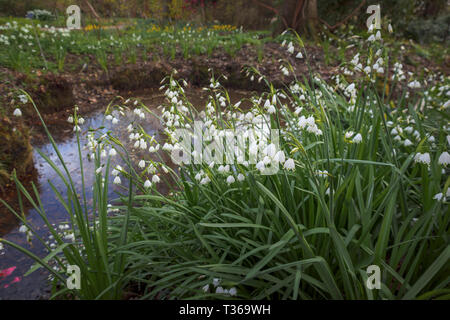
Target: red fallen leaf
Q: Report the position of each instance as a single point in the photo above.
(16, 279)
(7, 272)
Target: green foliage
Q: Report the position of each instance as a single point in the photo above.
(425, 31)
(28, 46)
(298, 235)
(42, 15)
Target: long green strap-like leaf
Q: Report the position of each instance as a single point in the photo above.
(442, 260)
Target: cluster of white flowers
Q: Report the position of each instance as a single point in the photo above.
(398, 73)
(250, 125)
(291, 49)
(24, 36)
(23, 99)
(63, 231)
(422, 158)
(414, 84)
(219, 289)
(111, 118)
(24, 229)
(310, 124)
(357, 138)
(284, 69)
(4, 40)
(270, 105)
(115, 172)
(351, 92)
(374, 37)
(322, 173)
(442, 197)
(373, 67)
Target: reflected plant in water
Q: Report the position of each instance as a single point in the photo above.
(87, 244)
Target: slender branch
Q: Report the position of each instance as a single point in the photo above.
(92, 9)
(346, 18)
(273, 10)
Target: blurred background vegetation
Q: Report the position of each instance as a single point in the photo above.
(423, 20)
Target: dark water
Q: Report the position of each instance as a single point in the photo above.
(33, 286)
(36, 286)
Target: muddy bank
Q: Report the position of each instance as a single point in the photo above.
(198, 70)
(15, 152)
(89, 87)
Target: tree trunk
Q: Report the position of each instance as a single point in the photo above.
(166, 12)
(202, 8)
(284, 14)
(311, 17)
(302, 15)
(311, 12)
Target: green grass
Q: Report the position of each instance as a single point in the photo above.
(40, 49)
